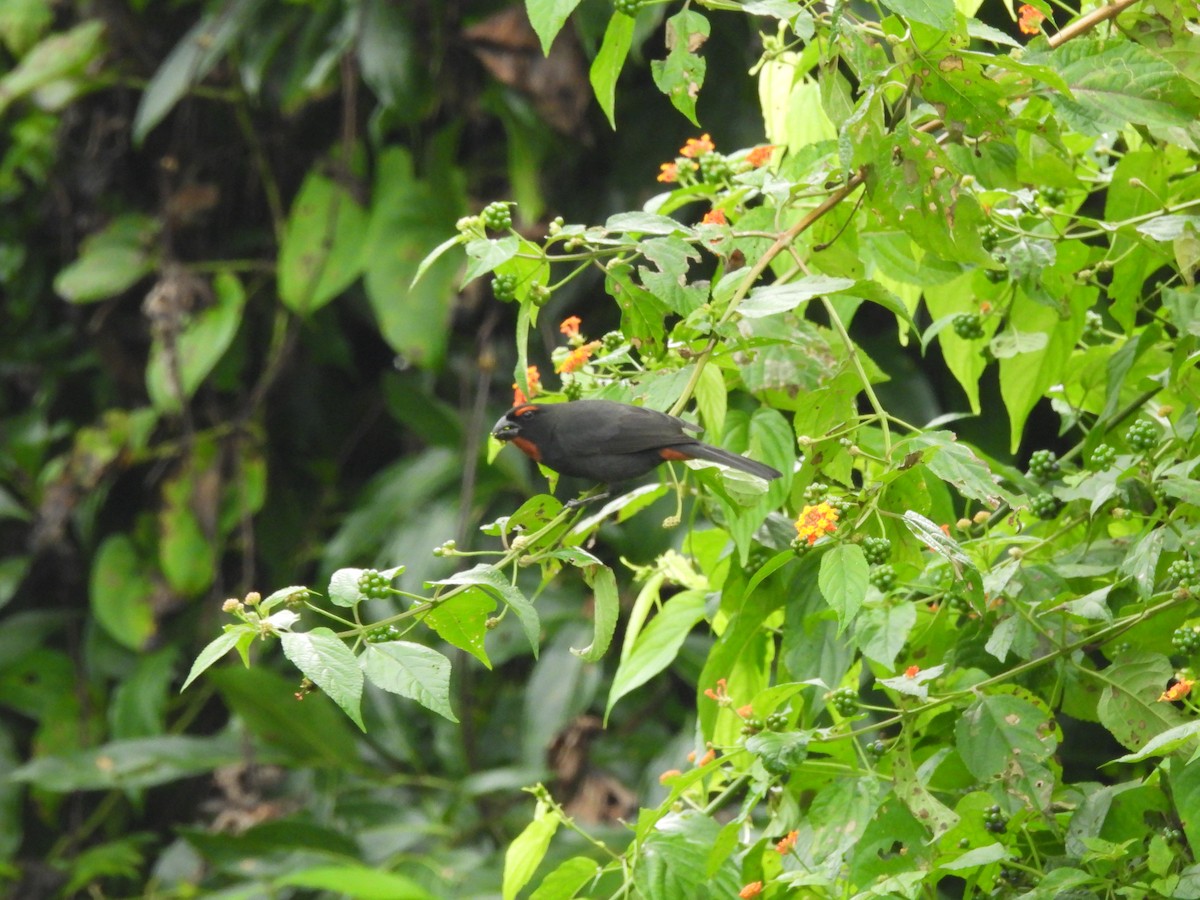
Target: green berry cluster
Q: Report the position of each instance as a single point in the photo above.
(1052, 196)
(1186, 639)
(845, 701)
(883, 577)
(505, 287)
(815, 492)
(1044, 506)
(776, 721)
(996, 276)
(497, 216)
(373, 585)
(627, 7)
(1119, 648)
(714, 166)
(1102, 457)
(994, 820)
(877, 550)
(877, 748)
(383, 633)
(1142, 435)
(1181, 571)
(989, 236)
(1171, 835)
(1093, 325)
(1043, 465)
(968, 326)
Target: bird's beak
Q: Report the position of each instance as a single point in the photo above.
(504, 430)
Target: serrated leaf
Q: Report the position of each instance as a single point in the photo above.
(1128, 705)
(547, 18)
(1165, 743)
(462, 622)
(936, 13)
(325, 659)
(214, 651)
(411, 670)
(681, 75)
(657, 645)
(843, 581)
(527, 850)
(493, 580)
(1000, 730)
(606, 607)
(777, 298)
(882, 633)
(322, 251)
(606, 67)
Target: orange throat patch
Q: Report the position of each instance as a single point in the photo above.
(528, 448)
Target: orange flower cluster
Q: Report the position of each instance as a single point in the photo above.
(785, 845)
(668, 775)
(570, 326)
(576, 358)
(1177, 691)
(912, 671)
(760, 156)
(1030, 19)
(697, 147)
(721, 694)
(753, 889)
(534, 378)
(714, 217)
(816, 521)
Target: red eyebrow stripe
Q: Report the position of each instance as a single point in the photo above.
(518, 410)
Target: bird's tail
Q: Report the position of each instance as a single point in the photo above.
(733, 460)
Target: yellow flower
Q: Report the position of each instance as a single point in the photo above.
(816, 521)
(669, 173)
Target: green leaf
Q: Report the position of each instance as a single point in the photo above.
(189, 63)
(1001, 731)
(1166, 743)
(527, 850)
(547, 18)
(1142, 561)
(929, 534)
(618, 37)
(607, 606)
(110, 261)
(915, 794)
(461, 621)
(186, 554)
(881, 633)
(326, 660)
(130, 765)
(565, 881)
(1129, 706)
(936, 13)
(957, 465)
(780, 752)
(122, 594)
(215, 651)
(197, 348)
(355, 881)
(1116, 82)
(411, 670)
(409, 219)
(681, 75)
(657, 645)
(390, 59)
(323, 248)
(674, 860)
(55, 58)
(492, 579)
(843, 581)
(777, 298)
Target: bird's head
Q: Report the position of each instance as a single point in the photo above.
(509, 426)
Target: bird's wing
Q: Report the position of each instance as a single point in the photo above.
(632, 432)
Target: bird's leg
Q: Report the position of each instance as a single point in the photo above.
(587, 497)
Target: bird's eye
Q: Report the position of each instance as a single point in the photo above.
(525, 414)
